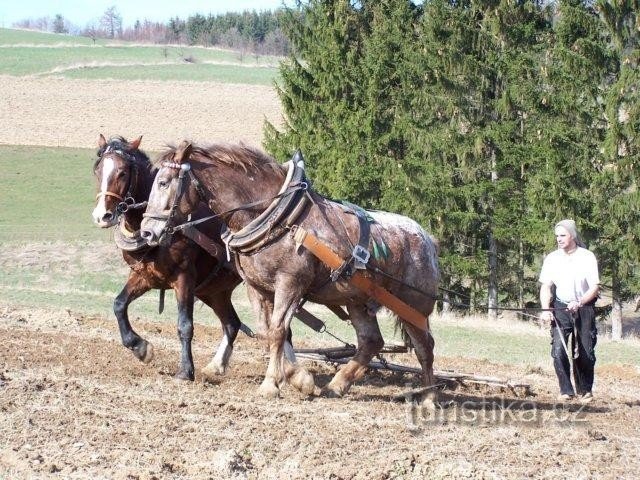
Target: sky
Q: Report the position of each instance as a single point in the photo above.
(83, 12)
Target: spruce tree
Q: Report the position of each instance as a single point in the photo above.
(319, 95)
(570, 127)
(618, 203)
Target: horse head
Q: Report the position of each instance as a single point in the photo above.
(174, 195)
(117, 178)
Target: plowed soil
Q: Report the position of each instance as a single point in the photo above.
(74, 403)
(72, 113)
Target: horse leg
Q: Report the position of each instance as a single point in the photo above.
(134, 288)
(423, 344)
(370, 342)
(280, 368)
(263, 308)
(185, 298)
(223, 308)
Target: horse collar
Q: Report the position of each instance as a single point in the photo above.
(128, 240)
(284, 210)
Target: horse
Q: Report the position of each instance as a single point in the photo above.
(237, 182)
(124, 176)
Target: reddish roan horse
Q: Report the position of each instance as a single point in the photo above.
(232, 179)
(124, 176)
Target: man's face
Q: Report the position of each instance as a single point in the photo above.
(564, 240)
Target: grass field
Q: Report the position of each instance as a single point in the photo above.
(33, 53)
(183, 72)
(54, 257)
(47, 195)
(11, 36)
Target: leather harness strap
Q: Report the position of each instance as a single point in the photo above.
(109, 194)
(205, 242)
(361, 250)
(284, 210)
(361, 281)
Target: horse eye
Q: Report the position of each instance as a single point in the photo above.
(163, 183)
(122, 174)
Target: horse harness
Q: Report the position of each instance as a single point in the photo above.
(284, 210)
(279, 217)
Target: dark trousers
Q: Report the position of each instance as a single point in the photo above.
(582, 347)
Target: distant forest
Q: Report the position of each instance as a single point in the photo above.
(249, 31)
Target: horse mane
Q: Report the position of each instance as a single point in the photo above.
(138, 157)
(238, 156)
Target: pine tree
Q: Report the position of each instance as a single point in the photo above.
(59, 24)
(477, 112)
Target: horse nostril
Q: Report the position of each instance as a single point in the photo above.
(107, 217)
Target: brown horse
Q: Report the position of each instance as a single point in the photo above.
(124, 175)
(238, 183)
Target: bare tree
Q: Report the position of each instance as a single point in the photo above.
(41, 23)
(92, 32)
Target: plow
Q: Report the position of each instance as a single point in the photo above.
(446, 379)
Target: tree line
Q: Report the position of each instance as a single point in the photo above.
(486, 120)
(248, 31)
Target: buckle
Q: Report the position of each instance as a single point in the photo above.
(360, 254)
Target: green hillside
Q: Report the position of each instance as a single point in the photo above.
(35, 53)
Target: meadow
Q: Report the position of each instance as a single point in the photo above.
(41, 54)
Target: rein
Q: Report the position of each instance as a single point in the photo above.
(185, 170)
(303, 186)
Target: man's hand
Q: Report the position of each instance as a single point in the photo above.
(573, 306)
(547, 316)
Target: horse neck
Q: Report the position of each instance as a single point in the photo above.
(231, 188)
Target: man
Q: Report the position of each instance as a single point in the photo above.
(573, 271)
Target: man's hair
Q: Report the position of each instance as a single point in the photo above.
(570, 226)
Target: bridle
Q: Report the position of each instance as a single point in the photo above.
(185, 174)
(127, 202)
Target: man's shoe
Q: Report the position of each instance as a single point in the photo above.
(565, 397)
(586, 398)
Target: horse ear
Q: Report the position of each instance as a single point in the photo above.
(136, 143)
(102, 142)
(182, 152)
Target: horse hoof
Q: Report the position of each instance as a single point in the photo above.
(303, 381)
(144, 352)
(336, 389)
(331, 393)
(184, 376)
(213, 370)
(338, 386)
(268, 389)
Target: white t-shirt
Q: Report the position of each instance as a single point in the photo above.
(572, 274)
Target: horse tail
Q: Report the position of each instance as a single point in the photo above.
(400, 329)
